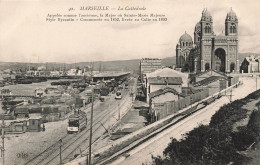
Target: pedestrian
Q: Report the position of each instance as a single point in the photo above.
(43, 127)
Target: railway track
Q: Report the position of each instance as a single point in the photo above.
(70, 143)
(69, 149)
(124, 152)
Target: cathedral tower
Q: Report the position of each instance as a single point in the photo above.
(206, 23)
(231, 24)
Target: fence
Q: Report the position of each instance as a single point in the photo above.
(162, 110)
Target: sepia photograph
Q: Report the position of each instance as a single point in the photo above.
(129, 82)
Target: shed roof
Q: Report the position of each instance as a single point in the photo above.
(21, 111)
(139, 104)
(208, 80)
(167, 72)
(110, 74)
(208, 71)
(163, 91)
(165, 80)
(35, 116)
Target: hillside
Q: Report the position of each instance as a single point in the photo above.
(120, 65)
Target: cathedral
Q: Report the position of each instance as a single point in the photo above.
(209, 51)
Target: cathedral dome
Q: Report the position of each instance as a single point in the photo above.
(231, 16)
(206, 16)
(197, 27)
(185, 38)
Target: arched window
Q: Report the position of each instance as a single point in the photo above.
(183, 44)
(232, 67)
(207, 66)
(186, 43)
(206, 29)
(234, 29)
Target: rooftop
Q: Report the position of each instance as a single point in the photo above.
(165, 80)
(111, 74)
(207, 81)
(209, 71)
(163, 91)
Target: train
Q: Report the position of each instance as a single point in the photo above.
(77, 122)
(118, 95)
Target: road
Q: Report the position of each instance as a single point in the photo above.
(156, 145)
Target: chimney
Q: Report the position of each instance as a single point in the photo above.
(166, 80)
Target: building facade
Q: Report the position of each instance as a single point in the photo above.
(209, 51)
(250, 64)
(148, 65)
(157, 83)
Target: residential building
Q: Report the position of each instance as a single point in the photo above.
(157, 83)
(213, 83)
(163, 95)
(250, 64)
(168, 72)
(203, 75)
(158, 98)
(148, 65)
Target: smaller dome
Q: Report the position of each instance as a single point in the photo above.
(185, 38)
(231, 15)
(197, 27)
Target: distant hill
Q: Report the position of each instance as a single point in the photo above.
(120, 65)
(169, 61)
(242, 56)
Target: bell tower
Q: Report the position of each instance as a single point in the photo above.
(231, 24)
(206, 23)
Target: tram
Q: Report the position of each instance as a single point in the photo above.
(77, 122)
(118, 95)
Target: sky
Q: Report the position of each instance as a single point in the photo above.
(26, 36)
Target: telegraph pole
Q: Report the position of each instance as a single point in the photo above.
(91, 120)
(231, 95)
(256, 82)
(3, 140)
(60, 150)
(118, 111)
